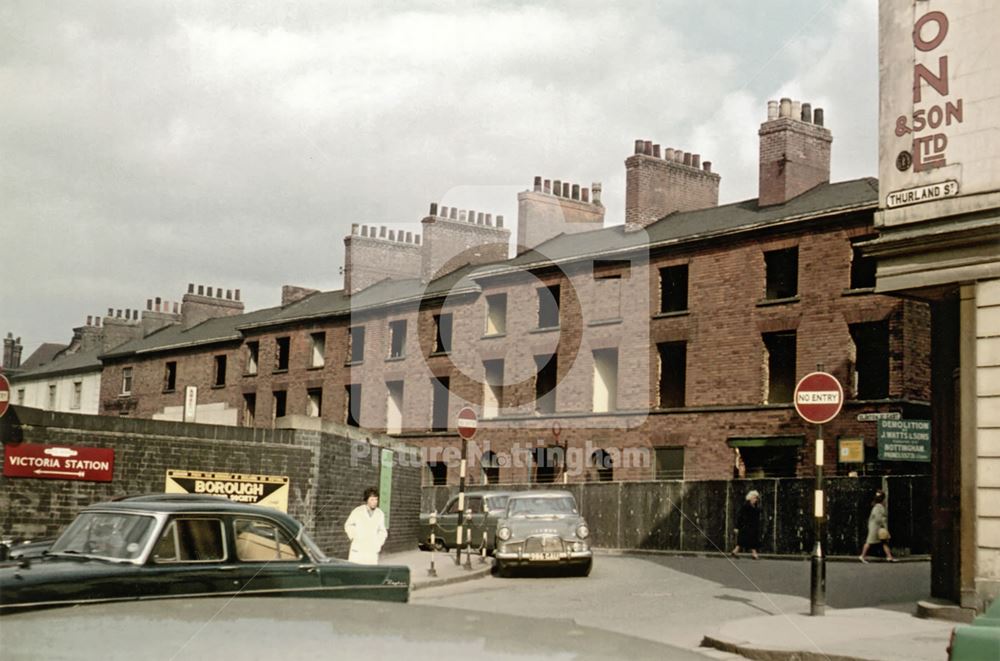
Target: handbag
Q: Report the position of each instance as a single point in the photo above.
(883, 534)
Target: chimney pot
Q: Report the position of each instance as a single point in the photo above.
(797, 110)
(461, 215)
(656, 151)
(786, 108)
(118, 314)
(638, 146)
(201, 290)
(364, 230)
(237, 294)
(176, 305)
(585, 195)
(381, 231)
(557, 188)
(90, 321)
(818, 117)
(434, 209)
(454, 213)
(567, 189)
(480, 218)
(499, 221)
(416, 239)
(772, 110)
(596, 189)
(218, 292)
(489, 219)
(696, 160)
(190, 288)
(647, 147)
(97, 321)
(668, 154)
(707, 166)
(538, 185)
(547, 187)
(149, 304)
(208, 292)
(687, 158)
(807, 113)
(392, 235)
(354, 228)
(111, 312)
(409, 237)
(576, 191)
(135, 315)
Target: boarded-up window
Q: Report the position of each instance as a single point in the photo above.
(605, 396)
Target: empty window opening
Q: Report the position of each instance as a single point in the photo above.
(496, 314)
(605, 396)
(780, 365)
(220, 371)
(545, 383)
(490, 467)
(870, 377)
(317, 354)
(356, 340)
(314, 402)
(253, 352)
(673, 374)
(604, 464)
(280, 404)
(249, 409)
(397, 338)
(669, 463)
(394, 407)
(492, 388)
(283, 346)
(170, 376)
(439, 414)
(548, 306)
(782, 273)
(863, 269)
(442, 333)
(548, 463)
(674, 288)
(437, 473)
(352, 413)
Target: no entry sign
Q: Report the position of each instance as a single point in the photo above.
(4, 394)
(818, 397)
(53, 462)
(467, 423)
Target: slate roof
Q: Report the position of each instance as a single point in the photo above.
(45, 353)
(823, 200)
(68, 363)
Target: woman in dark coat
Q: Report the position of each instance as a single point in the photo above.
(748, 525)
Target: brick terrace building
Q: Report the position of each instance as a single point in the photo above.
(667, 347)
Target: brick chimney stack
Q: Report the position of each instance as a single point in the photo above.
(659, 184)
(11, 352)
(547, 211)
(208, 303)
(456, 237)
(374, 253)
(120, 327)
(158, 314)
(794, 151)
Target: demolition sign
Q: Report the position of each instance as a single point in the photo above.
(818, 397)
(52, 462)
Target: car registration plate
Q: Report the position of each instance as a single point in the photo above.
(543, 556)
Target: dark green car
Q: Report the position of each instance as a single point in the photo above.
(162, 546)
(484, 509)
(979, 640)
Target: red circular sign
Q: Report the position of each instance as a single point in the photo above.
(4, 394)
(818, 397)
(467, 422)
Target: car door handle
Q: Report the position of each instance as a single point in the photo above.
(308, 568)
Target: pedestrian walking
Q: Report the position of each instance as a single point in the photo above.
(748, 525)
(878, 528)
(366, 529)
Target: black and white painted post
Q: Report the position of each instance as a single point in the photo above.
(466, 425)
(818, 399)
(433, 519)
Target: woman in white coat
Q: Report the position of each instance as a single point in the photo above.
(366, 529)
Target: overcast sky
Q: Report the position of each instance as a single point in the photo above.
(146, 145)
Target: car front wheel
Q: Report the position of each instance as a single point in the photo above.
(584, 569)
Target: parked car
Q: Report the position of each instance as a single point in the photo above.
(543, 528)
(978, 640)
(487, 508)
(173, 545)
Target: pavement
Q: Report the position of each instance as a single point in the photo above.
(869, 634)
(849, 634)
(447, 571)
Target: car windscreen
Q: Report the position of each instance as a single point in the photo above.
(546, 505)
(109, 535)
(497, 503)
